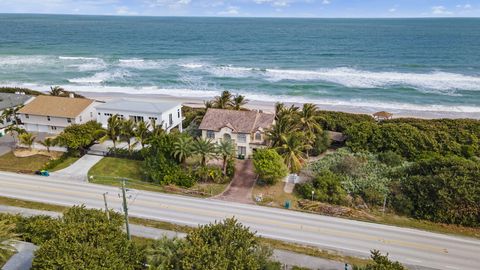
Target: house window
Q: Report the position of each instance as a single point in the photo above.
(152, 118)
(53, 128)
(91, 114)
(242, 151)
(135, 118)
(242, 138)
(170, 119)
(48, 118)
(210, 134)
(69, 120)
(108, 114)
(27, 116)
(80, 118)
(178, 112)
(258, 136)
(99, 114)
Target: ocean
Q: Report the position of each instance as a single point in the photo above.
(413, 65)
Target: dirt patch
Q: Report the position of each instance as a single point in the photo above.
(334, 210)
(28, 153)
(240, 189)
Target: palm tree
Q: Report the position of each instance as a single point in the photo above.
(127, 132)
(142, 132)
(10, 113)
(309, 121)
(182, 149)
(157, 130)
(27, 139)
(14, 131)
(56, 91)
(7, 235)
(276, 134)
(48, 142)
(292, 151)
(205, 148)
(226, 149)
(238, 102)
(113, 130)
(208, 104)
(224, 101)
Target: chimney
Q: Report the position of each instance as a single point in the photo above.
(71, 95)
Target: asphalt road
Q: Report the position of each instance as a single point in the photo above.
(412, 247)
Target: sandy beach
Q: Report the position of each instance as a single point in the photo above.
(268, 106)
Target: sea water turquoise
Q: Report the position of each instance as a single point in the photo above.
(398, 65)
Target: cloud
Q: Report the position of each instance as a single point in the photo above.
(173, 4)
(466, 6)
(230, 11)
(125, 11)
(441, 10)
(392, 10)
(326, 2)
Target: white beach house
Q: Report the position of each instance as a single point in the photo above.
(245, 128)
(9, 102)
(167, 114)
(51, 114)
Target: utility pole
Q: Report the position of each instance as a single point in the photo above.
(125, 208)
(106, 206)
(384, 204)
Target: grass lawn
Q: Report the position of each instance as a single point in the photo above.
(66, 163)
(9, 162)
(274, 196)
(109, 170)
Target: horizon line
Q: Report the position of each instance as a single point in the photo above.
(234, 17)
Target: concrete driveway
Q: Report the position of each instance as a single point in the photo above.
(78, 171)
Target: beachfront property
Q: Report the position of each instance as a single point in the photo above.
(245, 128)
(167, 114)
(52, 114)
(11, 101)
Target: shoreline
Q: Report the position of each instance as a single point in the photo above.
(268, 106)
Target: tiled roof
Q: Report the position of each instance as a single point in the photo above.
(238, 121)
(56, 106)
(8, 100)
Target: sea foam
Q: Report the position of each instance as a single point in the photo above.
(355, 78)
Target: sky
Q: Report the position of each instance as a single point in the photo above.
(250, 8)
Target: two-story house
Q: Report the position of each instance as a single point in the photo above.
(245, 128)
(51, 114)
(167, 114)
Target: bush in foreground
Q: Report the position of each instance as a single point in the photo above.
(86, 239)
(269, 165)
(224, 245)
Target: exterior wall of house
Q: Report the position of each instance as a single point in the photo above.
(245, 143)
(40, 123)
(104, 114)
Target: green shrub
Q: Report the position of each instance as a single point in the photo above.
(391, 158)
(361, 174)
(327, 187)
(442, 189)
(269, 166)
(380, 262)
(210, 174)
(86, 239)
